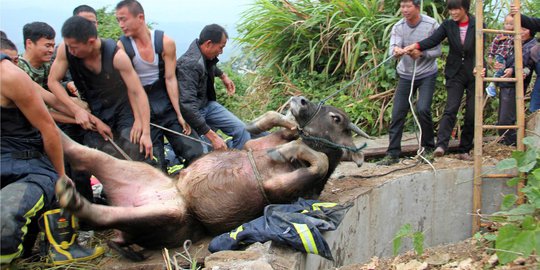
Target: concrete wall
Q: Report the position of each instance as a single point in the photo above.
(439, 204)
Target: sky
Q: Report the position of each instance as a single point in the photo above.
(182, 20)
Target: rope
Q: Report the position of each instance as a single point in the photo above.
(417, 122)
(331, 144)
(180, 134)
(257, 175)
(117, 148)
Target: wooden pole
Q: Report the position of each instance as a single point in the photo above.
(478, 116)
(520, 102)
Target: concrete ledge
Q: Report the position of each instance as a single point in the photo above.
(439, 204)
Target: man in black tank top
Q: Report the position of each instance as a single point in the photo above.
(106, 80)
(32, 160)
(153, 55)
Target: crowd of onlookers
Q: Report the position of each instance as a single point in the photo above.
(416, 42)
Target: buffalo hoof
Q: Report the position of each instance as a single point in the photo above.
(68, 197)
(275, 155)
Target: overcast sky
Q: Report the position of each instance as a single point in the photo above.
(180, 19)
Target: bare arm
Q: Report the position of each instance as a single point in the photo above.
(18, 88)
(140, 132)
(57, 73)
(169, 57)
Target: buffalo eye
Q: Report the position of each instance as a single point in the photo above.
(335, 117)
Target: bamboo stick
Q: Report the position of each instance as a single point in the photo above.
(478, 117)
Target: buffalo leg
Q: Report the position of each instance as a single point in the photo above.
(269, 120)
(119, 177)
(117, 217)
(283, 187)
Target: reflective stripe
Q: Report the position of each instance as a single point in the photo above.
(307, 238)
(317, 206)
(175, 168)
(236, 232)
(28, 215)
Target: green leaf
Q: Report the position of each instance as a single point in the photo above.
(537, 239)
(535, 179)
(520, 212)
(530, 141)
(505, 242)
(405, 230)
(508, 202)
(513, 181)
(519, 156)
(396, 245)
(490, 237)
(418, 243)
(506, 164)
(529, 223)
(528, 162)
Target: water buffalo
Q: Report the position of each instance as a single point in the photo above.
(220, 190)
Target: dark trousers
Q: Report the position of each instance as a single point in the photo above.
(507, 114)
(425, 88)
(163, 114)
(461, 83)
(27, 189)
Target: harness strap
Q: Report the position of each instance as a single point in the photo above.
(257, 175)
(158, 48)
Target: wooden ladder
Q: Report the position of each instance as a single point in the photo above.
(479, 126)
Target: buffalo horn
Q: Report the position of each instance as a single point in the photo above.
(358, 131)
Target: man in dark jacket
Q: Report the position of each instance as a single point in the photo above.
(196, 70)
(458, 72)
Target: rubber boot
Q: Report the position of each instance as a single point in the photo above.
(59, 240)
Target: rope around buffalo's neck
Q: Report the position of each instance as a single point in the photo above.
(330, 144)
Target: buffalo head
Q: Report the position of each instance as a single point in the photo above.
(326, 129)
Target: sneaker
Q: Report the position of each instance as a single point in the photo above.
(439, 152)
(388, 160)
(491, 90)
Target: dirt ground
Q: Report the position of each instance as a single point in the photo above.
(469, 254)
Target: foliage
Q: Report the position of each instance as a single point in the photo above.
(519, 225)
(313, 48)
(406, 232)
(107, 24)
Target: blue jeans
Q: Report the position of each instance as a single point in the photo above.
(425, 88)
(218, 117)
(535, 95)
(499, 72)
